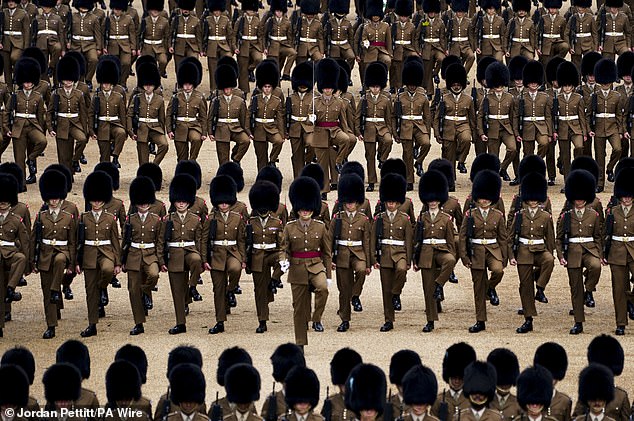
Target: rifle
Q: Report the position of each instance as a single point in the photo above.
(205, 33)
(174, 26)
(420, 232)
(436, 91)
(449, 26)
(393, 29)
(506, 15)
(441, 117)
(602, 28)
(443, 410)
(517, 229)
(253, 111)
(573, 31)
(379, 239)
(136, 109)
(213, 227)
(38, 239)
(609, 229)
(540, 32)
(326, 409)
(174, 109)
(423, 34)
(388, 412)
(298, 30)
(216, 410)
(485, 114)
(470, 230)
(81, 237)
(630, 115)
(289, 110)
(363, 114)
(127, 240)
(327, 36)
(55, 110)
(12, 106)
(474, 94)
(214, 113)
(249, 247)
(480, 28)
(555, 114)
(520, 113)
(142, 32)
(267, 33)
(69, 27)
(106, 30)
(398, 111)
(96, 107)
(167, 405)
(34, 29)
(169, 227)
(593, 117)
(2, 21)
(335, 237)
(271, 413)
(567, 229)
(512, 32)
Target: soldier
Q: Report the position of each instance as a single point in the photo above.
(217, 37)
(309, 33)
(67, 113)
(86, 36)
(142, 246)
(532, 246)
(455, 117)
(53, 249)
(489, 29)
(373, 39)
(123, 388)
(351, 111)
(413, 119)
(433, 41)
(284, 358)
(279, 38)
(187, 391)
(581, 32)
(520, 37)
(496, 115)
(264, 237)
(391, 244)
(15, 391)
(457, 357)
(15, 39)
(368, 397)
(614, 30)
(302, 394)
(341, 364)
(154, 34)
(400, 363)
(48, 32)
(460, 40)
(479, 389)
(310, 262)
(248, 43)
(76, 353)
(120, 37)
(146, 116)
(508, 370)
(596, 389)
(516, 68)
(624, 65)
(62, 386)
(588, 88)
(136, 356)
(155, 173)
(228, 118)
(551, 33)
(27, 118)
(535, 392)
(419, 392)
(553, 357)
(435, 243)
(481, 249)
(267, 115)
(186, 33)
(405, 42)
(242, 382)
(339, 33)
(99, 249)
(227, 359)
(300, 128)
(604, 112)
(23, 358)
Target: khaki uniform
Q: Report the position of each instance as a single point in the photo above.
(617, 35)
(87, 38)
(70, 122)
(458, 126)
(461, 41)
(374, 43)
(405, 45)
(122, 40)
(308, 249)
(172, 407)
(537, 123)
(269, 127)
(617, 409)
(101, 253)
(507, 406)
(111, 123)
(455, 400)
(50, 38)
(15, 255)
(300, 130)
(415, 127)
(156, 38)
(28, 127)
(232, 126)
(499, 126)
(280, 401)
(248, 39)
(279, 41)
(553, 39)
(626, 92)
(178, 416)
(520, 38)
(151, 127)
(331, 128)
(141, 259)
(190, 123)
(492, 255)
(219, 43)
(379, 128)
(491, 44)
(433, 46)
(573, 126)
(311, 41)
(188, 40)
(468, 415)
(585, 36)
(621, 261)
(15, 39)
(560, 407)
(341, 38)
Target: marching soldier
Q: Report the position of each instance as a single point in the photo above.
(433, 41)
(120, 37)
(142, 246)
(489, 31)
(339, 31)
(405, 42)
(614, 30)
(154, 34)
(308, 262)
(373, 39)
(435, 248)
(248, 43)
(596, 389)
(391, 244)
(86, 36)
(15, 38)
(98, 248)
(217, 37)
(532, 246)
(551, 33)
(589, 86)
(183, 247)
(108, 116)
(279, 38)
(267, 115)
(581, 32)
(483, 249)
(521, 36)
(186, 33)
(264, 239)
(48, 30)
(228, 118)
(300, 128)
(146, 115)
(460, 39)
(78, 154)
(508, 368)
(624, 65)
(309, 33)
(67, 114)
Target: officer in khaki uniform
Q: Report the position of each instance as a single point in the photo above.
(154, 34)
(279, 38)
(491, 43)
(391, 243)
(219, 42)
(86, 36)
(267, 115)
(508, 368)
(248, 34)
(615, 38)
(552, 42)
(581, 32)
(187, 30)
(121, 38)
(107, 120)
(373, 38)
(142, 246)
(433, 42)
(300, 127)
(483, 242)
(183, 246)
(405, 41)
(307, 248)
(48, 29)
(67, 114)
(532, 246)
(341, 364)
(150, 120)
(310, 44)
(460, 39)
(98, 248)
(520, 35)
(15, 39)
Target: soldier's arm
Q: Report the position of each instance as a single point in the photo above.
(243, 118)
(83, 114)
(548, 114)
(502, 236)
(280, 119)
(202, 114)
(388, 41)
(550, 235)
(472, 117)
(479, 122)
(513, 117)
(161, 114)
(285, 254)
(116, 243)
(409, 241)
(620, 114)
(462, 240)
(320, 39)
(41, 115)
(49, 116)
(132, 34)
(128, 121)
(98, 34)
(242, 240)
(559, 236)
(326, 252)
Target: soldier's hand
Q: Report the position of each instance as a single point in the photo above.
(1, 47)
(171, 135)
(134, 137)
(358, 59)
(237, 51)
(9, 133)
(35, 270)
(368, 271)
(53, 133)
(484, 138)
(508, 54)
(519, 138)
(563, 262)
(539, 52)
(244, 265)
(626, 135)
(600, 48)
(555, 136)
(397, 139)
(171, 50)
(105, 51)
(266, 52)
(93, 137)
(163, 268)
(591, 134)
(467, 263)
(572, 52)
(604, 262)
(360, 137)
(203, 138)
(117, 270)
(585, 138)
(123, 268)
(377, 266)
(67, 46)
(206, 266)
(478, 51)
(77, 269)
(212, 137)
(69, 271)
(416, 268)
(251, 136)
(513, 262)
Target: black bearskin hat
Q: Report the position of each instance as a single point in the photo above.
(27, 70)
(607, 350)
(524, 5)
(187, 384)
(305, 194)
(301, 386)
(490, 4)
(135, 355)
(400, 363)
(480, 378)
(373, 8)
(264, 197)
(280, 5)
(242, 382)
(625, 63)
(456, 73)
(148, 74)
(98, 187)
(534, 387)
(67, 69)
(623, 186)
(567, 74)
(552, 356)
(310, 7)
(484, 161)
(605, 71)
(460, 5)
(446, 62)
(188, 73)
(327, 74)
(80, 59)
(183, 354)
(487, 185)
(14, 388)
(404, 7)
(531, 163)
(366, 389)
(534, 187)
(582, 3)
(552, 4)
(626, 162)
(420, 386)
(142, 191)
(446, 168)
(186, 4)
(392, 188)
(76, 353)
(155, 5)
(482, 66)
(614, 3)
(596, 383)
(339, 7)
(588, 61)
(272, 174)
(52, 185)
(412, 74)
(154, 172)
(233, 170)
(108, 72)
(64, 170)
(182, 189)
(191, 167)
(228, 358)
(302, 75)
(226, 77)
(580, 185)
(533, 73)
(110, 169)
(267, 73)
(222, 189)
(62, 382)
(21, 357)
(14, 169)
(342, 364)
(354, 167)
(393, 166)
(285, 357)
(551, 68)
(431, 6)
(584, 162)
(497, 75)
(516, 67)
(314, 171)
(9, 192)
(506, 365)
(433, 187)
(38, 55)
(123, 382)
(350, 189)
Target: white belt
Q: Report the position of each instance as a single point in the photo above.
(186, 119)
(623, 239)
(54, 242)
(142, 245)
(148, 120)
(7, 244)
(498, 116)
(119, 36)
(296, 118)
(97, 243)
(459, 39)
(584, 34)
(431, 40)
(13, 33)
(83, 38)
(302, 39)
(411, 117)
(265, 120)
(455, 118)
(225, 243)
(484, 241)
(490, 36)
(249, 37)
(605, 115)
(108, 118)
(68, 115)
(349, 243)
(342, 42)
(265, 246)
(389, 242)
(186, 36)
(153, 41)
(568, 117)
(46, 32)
(375, 119)
(280, 38)
(180, 244)
(521, 39)
(614, 34)
(217, 38)
(228, 120)
(434, 241)
(402, 42)
(531, 242)
(25, 115)
(542, 118)
(552, 36)
(578, 240)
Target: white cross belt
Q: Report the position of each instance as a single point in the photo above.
(614, 34)
(460, 39)
(249, 38)
(217, 38)
(623, 239)
(302, 39)
(13, 33)
(279, 38)
(46, 32)
(521, 40)
(402, 42)
(186, 36)
(375, 119)
(552, 36)
(341, 42)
